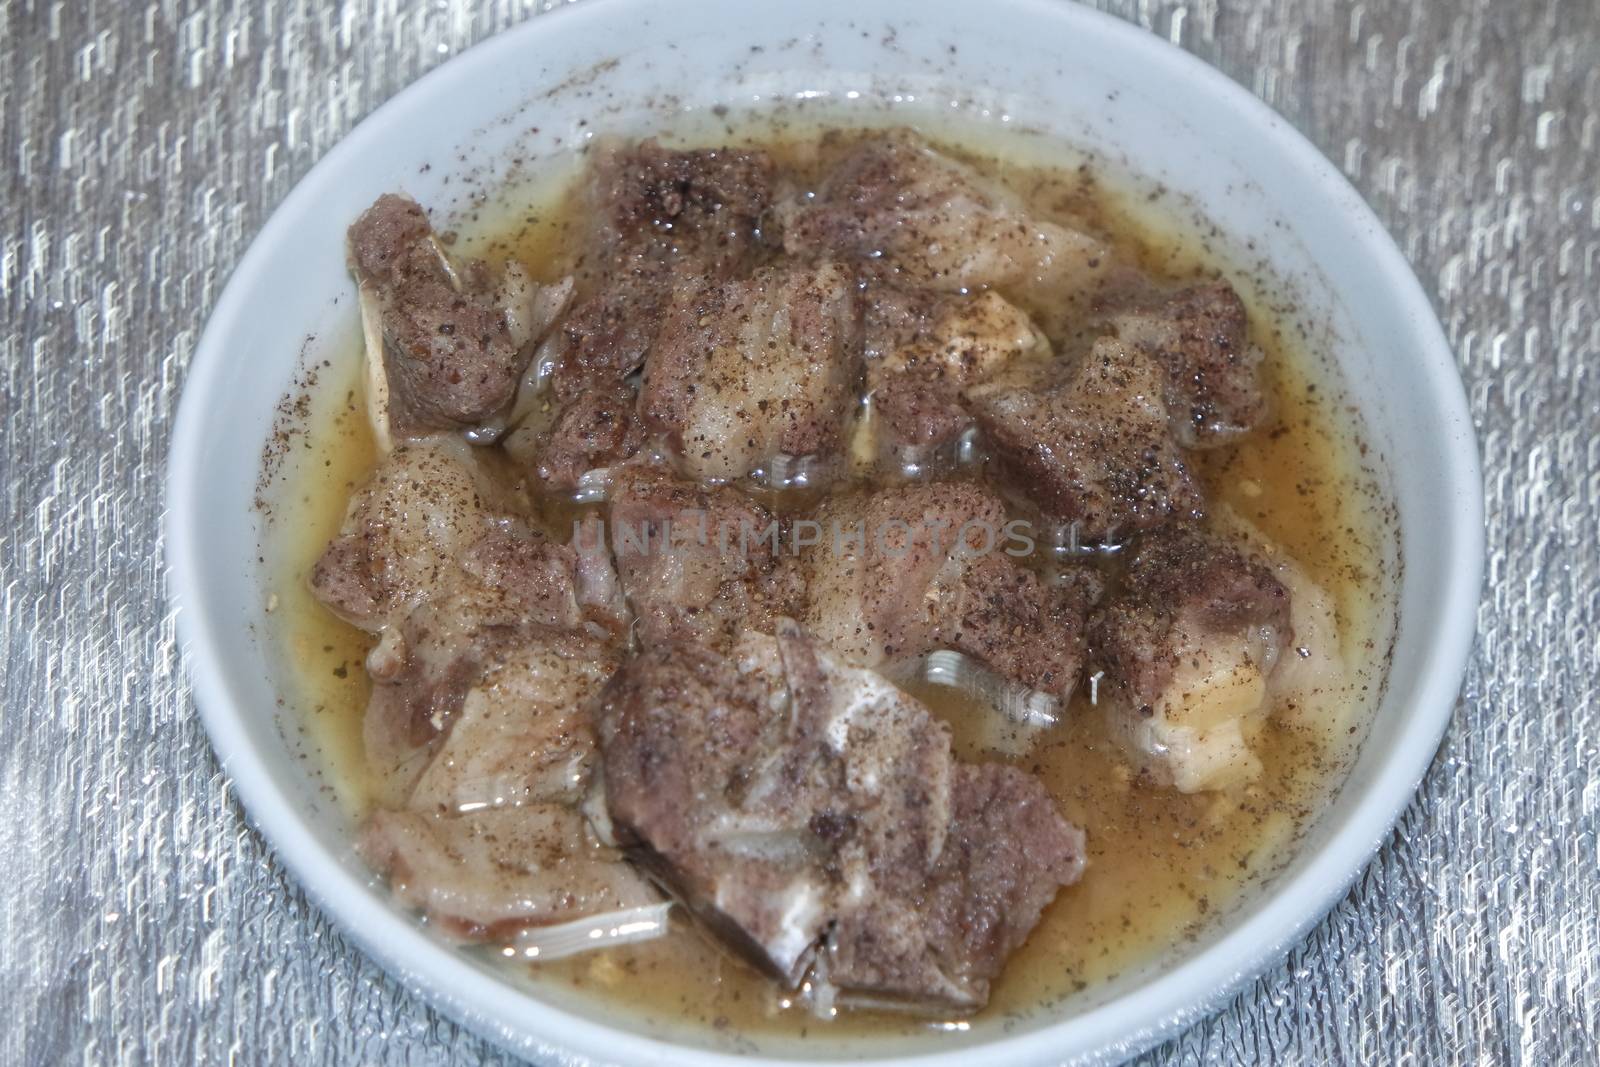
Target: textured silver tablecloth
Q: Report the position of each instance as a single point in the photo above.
(143, 144)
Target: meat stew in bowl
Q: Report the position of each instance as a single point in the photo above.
(886, 581)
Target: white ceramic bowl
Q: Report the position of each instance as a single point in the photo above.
(633, 65)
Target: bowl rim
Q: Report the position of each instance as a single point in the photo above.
(1168, 1001)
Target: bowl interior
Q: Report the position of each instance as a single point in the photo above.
(526, 100)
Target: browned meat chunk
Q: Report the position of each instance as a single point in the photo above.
(590, 431)
(1186, 647)
(1006, 854)
(450, 359)
(923, 349)
(901, 571)
(908, 211)
(750, 373)
(1184, 581)
(694, 562)
(520, 578)
(812, 812)
(1200, 337)
(436, 556)
(424, 667)
(965, 338)
(662, 208)
(605, 337)
(432, 515)
(349, 582)
(384, 238)
(664, 220)
(1091, 447)
(1023, 628)
(917, 413)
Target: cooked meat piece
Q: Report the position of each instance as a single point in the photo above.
(1022, 628)
(907, 210)
(714, 776)
(694, 562)
(1213, 387)
(442, 348)
(1185, 580)
(1310, 684)
(436, 556)
(424, 668)
(520, 578)
(344, 578)
(747, 372)
(382, 241)
(480, 746)
(662, 208)
(523, 732)
(1091, 447)
(964, 338)
(923, 349)
(799, 805)
(1186, 647)
(1006, 854)
(916, 413)
(421, 671)
(433, 521)
(664, 219)
(887, 567)
(605, 337)
(574, 437)
(901, 571)
(487, 875)
(406, 531)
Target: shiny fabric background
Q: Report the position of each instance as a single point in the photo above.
(144, 143)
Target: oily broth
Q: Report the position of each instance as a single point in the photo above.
(1162, 866)
(327, 682)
